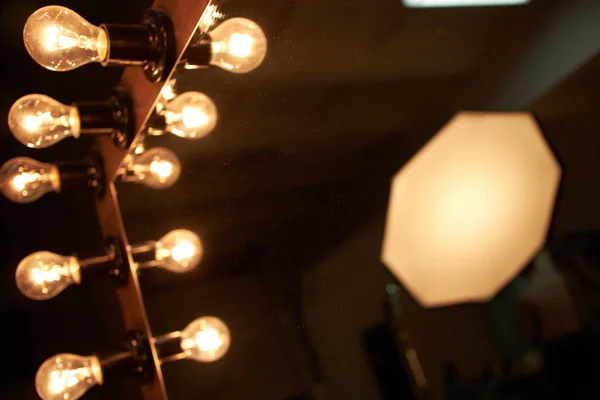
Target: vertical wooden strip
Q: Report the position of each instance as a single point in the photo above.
(185, 15)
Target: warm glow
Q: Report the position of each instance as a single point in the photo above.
(59, 39)
(190, 115)
(157, 168)
(60, 380)
(193, 117)
(32, 123)
(470, 210)
(179, 250)
(67, 376)
(21, 181)
(57, 382)
(208, 340)
(183, 251)
(163, 169)
(40, 277)
(50, 37)
(55, 38)
(24, 180)
(43, 275)
(39, 121)
(240, 45)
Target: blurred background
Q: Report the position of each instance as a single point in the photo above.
(289, 195)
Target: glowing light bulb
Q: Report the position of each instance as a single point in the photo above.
(179, 250)
(157, 168)
(61, 40)
(206, 339)
(24, 180)
(39, 121)
(238, 45)
(43, 275)
(190, 115)
(67, 376)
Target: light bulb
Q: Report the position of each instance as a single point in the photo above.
(43, 275)
(206, 339)
(61, 40)
(24, 180)
(157, 168)
(238, 45)
(190, 115)
(39, 121)
(67, 376)
(179, 250)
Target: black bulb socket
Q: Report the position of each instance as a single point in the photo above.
(150, 45)
(112, 117)
(87, 172)
(169, 348)
(114, 261)
(157, 124)
(198, 54)
(135, 360)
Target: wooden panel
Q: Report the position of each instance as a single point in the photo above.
(185, 15)
(130, 297)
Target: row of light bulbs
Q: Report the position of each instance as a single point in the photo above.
(38, 121)
(61, 40)
(43, 275)
(69, 376)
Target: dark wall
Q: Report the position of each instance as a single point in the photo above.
(289, 195)
(83, 319)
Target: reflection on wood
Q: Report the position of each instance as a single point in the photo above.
(130, 297)
(185, 15)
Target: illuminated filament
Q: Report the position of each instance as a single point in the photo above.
(33, 123)
(163, 169)
(183, 251)
(22, 181)
(58, 38)
(53, 274)
(240, 45)
(193, 117)
(61, 380)
(209, 340)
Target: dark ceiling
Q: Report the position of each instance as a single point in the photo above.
(289, 193)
